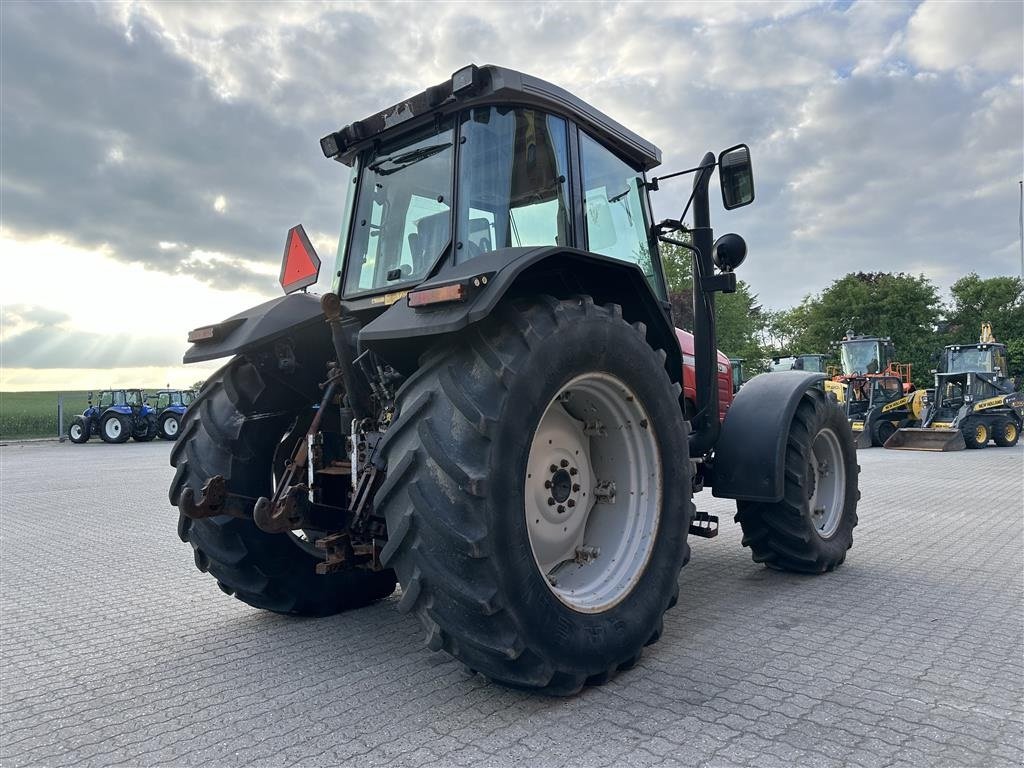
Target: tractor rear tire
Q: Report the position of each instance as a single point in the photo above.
(466, 504)
(233, 429)
(170, 424)
(115, 428)
(976, 433)
(821, 468)
(1006, 433)
(78, 432)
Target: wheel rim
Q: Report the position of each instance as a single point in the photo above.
(170, 426)
(76, 431)
(827, 481)
(981, 434)
(593, 492)
(113, 428)
(1010, 433)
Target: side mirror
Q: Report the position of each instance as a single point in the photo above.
(90, 398)
(736, 177)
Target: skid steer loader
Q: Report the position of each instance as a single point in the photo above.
(486, 406)
(877, 407)
(972, 403)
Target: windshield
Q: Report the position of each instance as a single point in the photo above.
(860, 357)
(965, 360)
(784, 364)
(402, 219)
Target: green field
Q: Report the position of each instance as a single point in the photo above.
(34, 414)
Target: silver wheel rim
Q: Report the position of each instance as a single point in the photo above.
(593, 492)
(828, 492)
(76, 431)
(113, 428)
(170, 426)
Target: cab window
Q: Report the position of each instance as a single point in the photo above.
(512, 180)
(614, 207)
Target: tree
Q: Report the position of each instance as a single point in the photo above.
(996, 300)
(901, 306)
(739, 319)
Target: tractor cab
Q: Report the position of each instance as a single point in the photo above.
(975, 358)
(810, 363)
(859, 355)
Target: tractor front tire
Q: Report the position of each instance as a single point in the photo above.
(115, 428)
(1006, 433)
(233, 429)
(811, 528)
(538, 494)
(169, 426)
(976, 433)
(78, 432)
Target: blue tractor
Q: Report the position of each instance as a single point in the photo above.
(171, 405)
(120, 414)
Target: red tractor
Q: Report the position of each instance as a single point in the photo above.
(488, 405)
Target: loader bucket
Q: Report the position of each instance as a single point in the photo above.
(923, 439)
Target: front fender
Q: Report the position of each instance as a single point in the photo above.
(259, 325)
(401, 333)
(750, 457)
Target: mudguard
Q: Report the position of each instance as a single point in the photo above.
(750, 455)
(399, 334)
(258, 325)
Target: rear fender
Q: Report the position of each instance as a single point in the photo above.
(261, 325)
(750, 456)
(401, 333)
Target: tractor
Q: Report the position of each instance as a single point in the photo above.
(877, 406)
(486, 405)
(972, 403)
(119, 414)
(171, 405)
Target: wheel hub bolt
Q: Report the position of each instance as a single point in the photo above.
(553, 469)
(551, 502)
(573, 471)
(564, 463)
(561, 509)
(571, 502)
(575, 487)
(547, 483)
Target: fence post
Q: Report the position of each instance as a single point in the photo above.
(60, 415)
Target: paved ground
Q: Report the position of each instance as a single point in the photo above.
(115, 650)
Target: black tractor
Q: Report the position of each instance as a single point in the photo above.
(486, 405)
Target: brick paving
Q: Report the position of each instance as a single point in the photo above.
(116, 651)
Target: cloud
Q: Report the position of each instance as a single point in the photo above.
(983, 35)
(884, 135)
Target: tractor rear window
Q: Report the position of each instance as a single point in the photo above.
(402, 221)
(512, 185)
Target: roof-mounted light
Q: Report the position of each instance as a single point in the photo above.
(332, 144)
(466, 79)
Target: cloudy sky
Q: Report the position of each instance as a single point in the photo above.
(153, 155)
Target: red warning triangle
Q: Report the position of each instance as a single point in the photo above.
(301, 265)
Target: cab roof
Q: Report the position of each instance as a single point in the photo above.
(480, 86)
